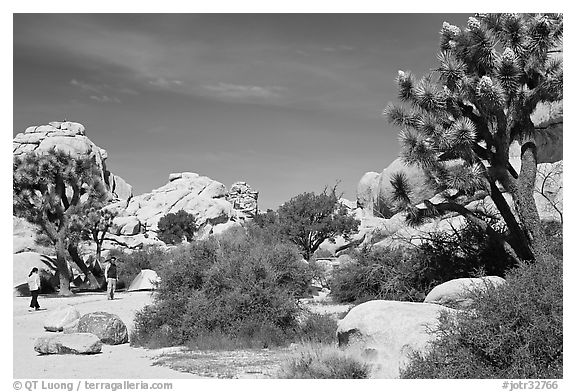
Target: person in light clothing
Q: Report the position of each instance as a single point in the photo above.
(34, 286)
(111, 275)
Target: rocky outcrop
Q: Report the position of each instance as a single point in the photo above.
(24, 236)
(73, 343)
(198, 195)
(367, 192)
(387, 332)
(459, 293)
(243, 198)
(70, 137)
(108, 327)
(63, 318)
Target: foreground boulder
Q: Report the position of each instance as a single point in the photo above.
(459, 293)
(109, 328)
(386, 332)
(73, 343)
(63, 318)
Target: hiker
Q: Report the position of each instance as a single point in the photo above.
(34, 286)
(111, 275)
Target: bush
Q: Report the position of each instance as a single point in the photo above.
(409, 274)
(130, 264)
(514, 331)
(379, 274)
(318, 328)
(322, 362)
(173, 228)
(237, 287)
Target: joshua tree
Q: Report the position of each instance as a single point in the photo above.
(465, 115)
(52, 191)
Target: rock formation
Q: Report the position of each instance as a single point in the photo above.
(204, 198)
(387, 332)
(243, 198)
(70, 137)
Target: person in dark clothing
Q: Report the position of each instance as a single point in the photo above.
(34, 286)
(111, 275)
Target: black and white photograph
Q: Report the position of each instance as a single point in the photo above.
(287, 195)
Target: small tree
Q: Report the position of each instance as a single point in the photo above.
(309, 219)
(51, 190)
(97, 223)
(467, 113)
(173, 228)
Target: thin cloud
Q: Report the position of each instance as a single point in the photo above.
(105, 99)
(101, 92)
(165, 83)
(88, 87)
(244, 91)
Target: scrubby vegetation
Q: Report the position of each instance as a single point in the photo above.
(409, 274)
(131, 263)
(321, 361)
(173, 228)
(236, 288)
(514, 331)
(309, 219)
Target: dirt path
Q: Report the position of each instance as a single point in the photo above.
(120, 361)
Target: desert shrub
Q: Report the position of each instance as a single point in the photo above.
(323, 362)
(513, 331)
(554, 237)
(378, 274)
(174, 227)
(131, 263)
(318, 328)
(237, 287)
(409, 274)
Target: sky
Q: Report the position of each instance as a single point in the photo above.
(289, 103)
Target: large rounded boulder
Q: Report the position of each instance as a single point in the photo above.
(387, 332)
(109, 328)
(459, 293)
(63, 318)
(73, 343)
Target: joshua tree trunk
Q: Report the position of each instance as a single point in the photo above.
(523, 197)
(93, 282)
(63, 270)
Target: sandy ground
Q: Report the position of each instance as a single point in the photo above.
(120, 361)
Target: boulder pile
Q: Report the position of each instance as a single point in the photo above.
(243, 198)
(70, 137)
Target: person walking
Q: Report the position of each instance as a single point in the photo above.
(34, 286)
(111, 275)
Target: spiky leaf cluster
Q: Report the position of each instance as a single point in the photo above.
(491, 74)
(51, 189)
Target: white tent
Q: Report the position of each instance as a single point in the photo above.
(147, 279)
